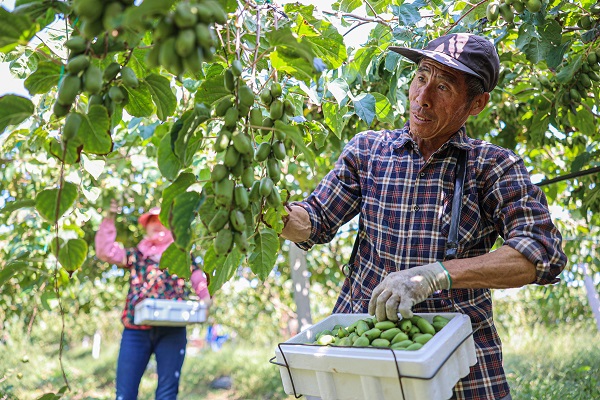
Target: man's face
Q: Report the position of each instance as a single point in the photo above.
(438, 102)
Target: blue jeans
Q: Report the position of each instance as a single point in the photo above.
(168, 345)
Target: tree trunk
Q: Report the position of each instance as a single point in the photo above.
(591, 294)
(301, 288)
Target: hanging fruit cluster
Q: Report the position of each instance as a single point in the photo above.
(184, 38)
(504, 8)
(235, 185)
(582, 81)
(589, 21)
(99, 16)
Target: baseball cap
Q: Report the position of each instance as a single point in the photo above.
(143, 219)
(466, 52)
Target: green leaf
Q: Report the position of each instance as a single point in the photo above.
(293, 132)
(72, 255)
(212, 90)
(383, 108)
(408, 14)
(183, 213)
(177, 261)
(44, 78)
(566, 74)
(329, 46)
(580, 162)
(584, 122)
(179, 185)
(288, 61)
(318, 133)
(94, 131)
(9, 269)
(339, 89)
(140, 101)
(47, 201)
(15, 205)
(15, 30)
(72, 155)
(168, 163)
(364, 107)
(14, 110)
(349, 5)
(334, 117)
(263, 258)
(221, 269)
(162, 95)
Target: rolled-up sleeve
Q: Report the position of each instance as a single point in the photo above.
(521, 214)
(107, 249)
(336, 199)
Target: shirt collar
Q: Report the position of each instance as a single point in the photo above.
(459, 139)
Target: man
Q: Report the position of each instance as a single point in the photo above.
(402, 183)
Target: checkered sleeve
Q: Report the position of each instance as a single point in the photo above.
(336, 199)
(520, 213)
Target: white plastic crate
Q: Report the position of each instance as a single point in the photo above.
(345, 373)
(161, 312)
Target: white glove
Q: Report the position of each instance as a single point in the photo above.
(401, 290)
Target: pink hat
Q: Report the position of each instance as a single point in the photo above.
(143, 219)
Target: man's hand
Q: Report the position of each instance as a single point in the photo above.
(401, 290)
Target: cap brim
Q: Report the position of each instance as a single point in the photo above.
(416, 55)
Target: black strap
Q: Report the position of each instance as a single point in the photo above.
(452, 243)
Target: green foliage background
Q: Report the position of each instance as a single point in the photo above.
(53, 189)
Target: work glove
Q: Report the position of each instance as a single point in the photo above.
(401, 290)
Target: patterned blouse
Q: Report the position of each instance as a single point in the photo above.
(405, 204)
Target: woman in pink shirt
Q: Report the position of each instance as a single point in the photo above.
(147, 280)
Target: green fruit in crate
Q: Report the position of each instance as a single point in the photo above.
(402, 345)
(69, 89)
(383, 325)
(405, 325)
(325, 340)
(414, 346)
(380, 343)
(372, 333)
(424, 338)
(223, 242)
(425, 327)
(400, 337)
(390, 334)
(361, 327)
(362, 341)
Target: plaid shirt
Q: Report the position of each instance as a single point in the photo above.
(405, 208)
(148, 281)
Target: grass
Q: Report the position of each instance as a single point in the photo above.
(541, 363)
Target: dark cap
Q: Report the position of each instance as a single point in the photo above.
(465, 52)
